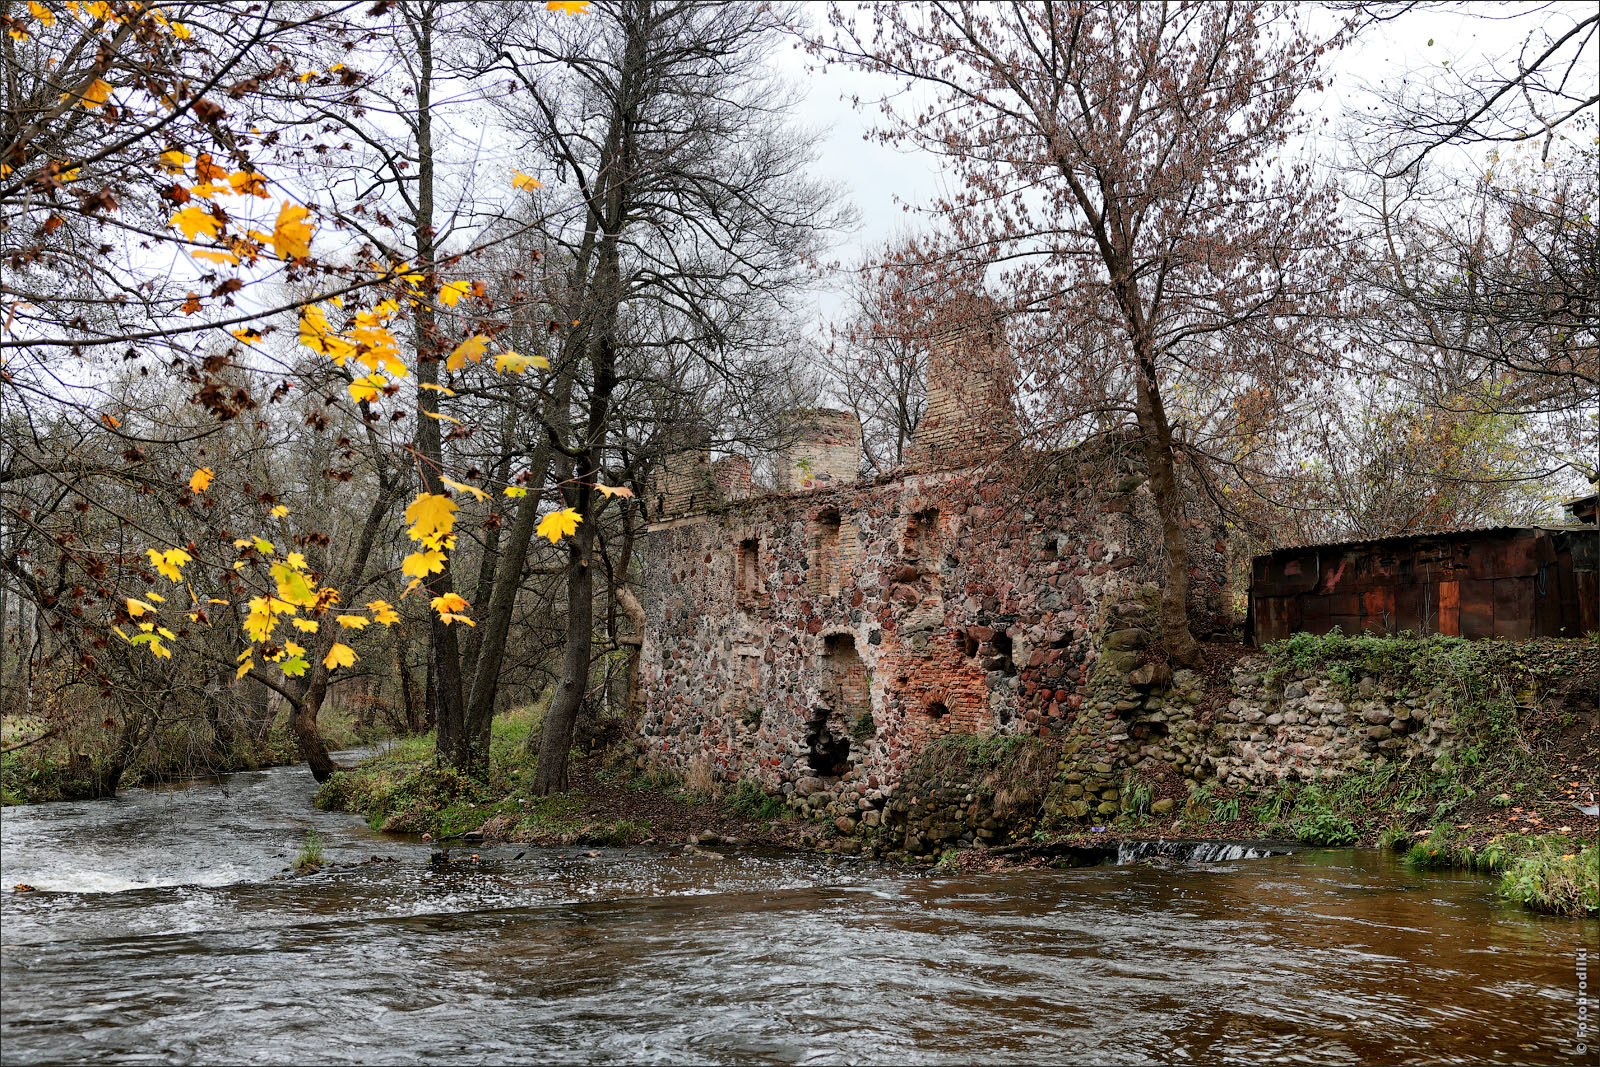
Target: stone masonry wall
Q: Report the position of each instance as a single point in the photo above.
(1012, 598)
(1301, 726)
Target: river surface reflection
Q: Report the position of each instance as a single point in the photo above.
(158, 934)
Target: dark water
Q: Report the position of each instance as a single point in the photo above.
(157, 934)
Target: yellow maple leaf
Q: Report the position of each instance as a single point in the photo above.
(516, 491)
(559, 524)
(181, 32)
(42, 13)
(175, 160)
(249, 183)
(195, 220)
(297, 560)
(448, 602)
(293, 649)
(291, 234)
(259, 622)
(244, 668)
(137, 608)
(280, 511)
(293, 588)
(432, 388)
(525, 182)
(367, 388)
(442, 418)
(339, 656)
(219, 257)
(514, 363)
(452, 292)
(614, 490)
(472, 348)
(447, 618)
(169, 564)
(200, 479)
(96, 94)
(305, 626)
(383, 613)
(431, 516)
(419, 565)
(461, 487)
(352, 622)
(157, 597)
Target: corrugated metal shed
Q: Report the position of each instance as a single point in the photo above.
(1503, 581)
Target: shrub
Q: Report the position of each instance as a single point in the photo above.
(1554, 882)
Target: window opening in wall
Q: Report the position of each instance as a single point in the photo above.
(751, 709)
(1001, 658)
(936, 710)
(846, 699)
(747, 575)
(823, 577)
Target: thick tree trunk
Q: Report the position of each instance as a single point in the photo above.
(555, 738)
(136, 729)
(453, 747)
(495, 623)
(1157, 437)
(303, 726)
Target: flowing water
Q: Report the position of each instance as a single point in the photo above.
(157, 932)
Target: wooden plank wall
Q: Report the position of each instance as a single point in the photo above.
(1513, 583)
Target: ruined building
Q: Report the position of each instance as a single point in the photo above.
(812, 638)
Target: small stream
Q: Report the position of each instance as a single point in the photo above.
(159, 933)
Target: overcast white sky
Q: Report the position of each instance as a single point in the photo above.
(882, 180)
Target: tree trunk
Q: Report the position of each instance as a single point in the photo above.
(408, 695)
(1157, 438)
(555, 738)
(495, 624)
(453, 744)
(303, 725)
(634, 644)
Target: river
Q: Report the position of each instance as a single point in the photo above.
(159, 932)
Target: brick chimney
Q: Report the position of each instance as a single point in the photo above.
(733, 477)
(971, 383)
(683, 482)
(826, 450)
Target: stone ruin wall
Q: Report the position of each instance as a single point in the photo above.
(814, 641)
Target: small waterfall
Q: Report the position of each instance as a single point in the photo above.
(1193, 851)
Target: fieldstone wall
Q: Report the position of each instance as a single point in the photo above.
(813, 642)
(1298, 726)
(1304, 726)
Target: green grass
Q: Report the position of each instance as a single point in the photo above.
(1550, 873)
(310, 857)
(1554, 881)
(400, 789)
(751, 801)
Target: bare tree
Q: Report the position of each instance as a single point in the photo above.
(697, 217)
(1122, 167)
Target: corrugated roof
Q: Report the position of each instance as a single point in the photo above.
(1418, 535)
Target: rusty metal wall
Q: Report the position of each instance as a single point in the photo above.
(1497, 583)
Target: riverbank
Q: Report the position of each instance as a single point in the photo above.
(65, 761)
(160, 930)
(1495, 784)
